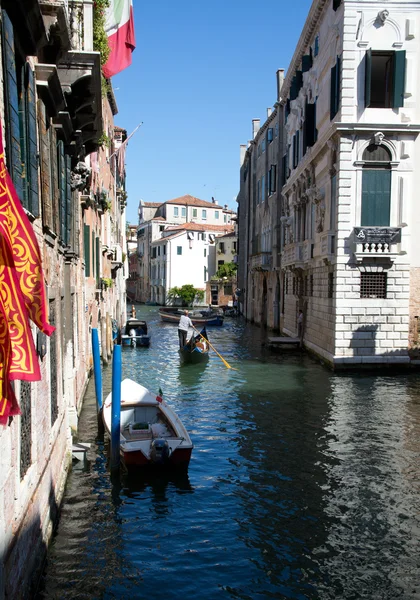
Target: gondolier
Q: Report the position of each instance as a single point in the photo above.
(184, 324)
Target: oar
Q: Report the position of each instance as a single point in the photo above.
(219, 355)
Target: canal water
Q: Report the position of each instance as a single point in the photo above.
(302, 484)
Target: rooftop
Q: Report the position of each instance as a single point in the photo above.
(201, 227)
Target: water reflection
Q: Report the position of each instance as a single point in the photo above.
(302, 484)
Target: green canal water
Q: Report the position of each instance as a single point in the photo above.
(302, 484)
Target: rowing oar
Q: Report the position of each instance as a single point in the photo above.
(213, 348)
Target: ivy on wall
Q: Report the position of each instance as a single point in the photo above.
(100, 38)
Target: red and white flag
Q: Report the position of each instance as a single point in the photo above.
(119, 28)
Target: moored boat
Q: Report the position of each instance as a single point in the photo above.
(135, 333)
(197, 317)
(151, 432)
(196, 349)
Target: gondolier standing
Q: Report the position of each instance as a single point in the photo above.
(184, 324)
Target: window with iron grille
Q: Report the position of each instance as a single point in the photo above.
(286, 285)
(25, 428)
(53, 365)
(293, 285)
(306, 289)
(330, 285)
(373, 285)
(311, 285)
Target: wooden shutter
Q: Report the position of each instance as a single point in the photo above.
(62, 188)
(45, 158)
(98, 260)
(31, 155)
(368, 77)
(86, 239)
(399, 79)
(14, 161)
(376, 197)
(55, 189)
(69, 208)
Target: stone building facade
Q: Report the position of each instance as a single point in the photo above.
(348, 248)
(259, 220)
(58, 125)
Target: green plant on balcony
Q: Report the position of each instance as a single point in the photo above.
(187, 294)
(227, 270)
(100, 38)
(104, 140)
(107, 282)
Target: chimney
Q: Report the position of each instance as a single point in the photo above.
(226, 206)
(255, 127)
(280, 81)
(269, 111)
(242, 153)
(213, 200)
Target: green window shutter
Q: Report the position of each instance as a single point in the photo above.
(45, 159)
(31, 157)
(368, 76)
(86, 240)
(55, 190)
(98, 261)
(399, 79)
(23, 136)
(14, 161)
(62, 188)
(376, 197)
(69, 208)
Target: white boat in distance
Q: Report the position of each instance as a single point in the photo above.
(151, 433)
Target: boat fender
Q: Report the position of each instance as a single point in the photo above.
(160, 451)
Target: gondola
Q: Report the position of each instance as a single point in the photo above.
(135, 333)
(202, 318)
(196, 350)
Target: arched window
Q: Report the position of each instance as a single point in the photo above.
(376, 186)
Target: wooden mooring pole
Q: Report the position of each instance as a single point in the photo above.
(116, 409)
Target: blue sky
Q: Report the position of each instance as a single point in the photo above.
(200, 73)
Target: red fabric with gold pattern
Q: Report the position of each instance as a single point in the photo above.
(22, 294)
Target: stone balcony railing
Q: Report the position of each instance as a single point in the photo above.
(377, 242)
(263, 260)
(292, 255)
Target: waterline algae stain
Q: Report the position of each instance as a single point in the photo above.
(302, 484)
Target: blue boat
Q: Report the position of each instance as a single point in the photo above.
(135, 333)
(196, 349)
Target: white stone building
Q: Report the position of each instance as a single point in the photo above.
(185, 254)
(154, 219)
(350, 258)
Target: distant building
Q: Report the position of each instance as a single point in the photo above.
(155, 221)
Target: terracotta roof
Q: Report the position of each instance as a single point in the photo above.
(168, 237)
(201, 227)
(192, 201)
(230, 234)
(152, 204)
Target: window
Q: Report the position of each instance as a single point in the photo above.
(234, 246)
(376, 186)
(335, 88)
(205, 273)
(183, 211)
(179, 250)
(176, 211)
(263, 146)
(311, 285)
(269, 135)
(205, 252)
(154, 252)
(161, 227)
(25, 426)
(272, 175)
(221, 247)
(194, 212)
(263, 188)
(86, 229)
(224, 218)
(204, 214)
(216, 214)
(258, 193)
(384, 79)
(276, 130)
(316, 46)
(373, 285)
(228, 289)
(220, 263)
(310, 133)
(158, 250)
(20, 113)
(164, 250)
(336, 4)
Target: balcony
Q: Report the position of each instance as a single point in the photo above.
(383, 243)
(328, 245)
(293, 256)
(262, 261)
